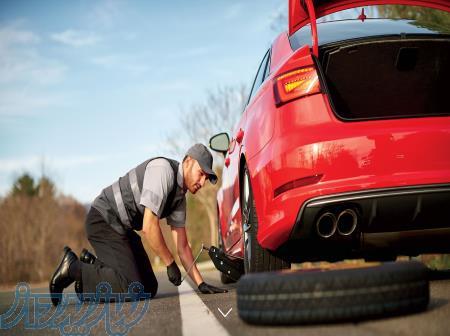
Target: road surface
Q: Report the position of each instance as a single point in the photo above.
(183, 311)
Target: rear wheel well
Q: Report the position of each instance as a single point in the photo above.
(242, 163)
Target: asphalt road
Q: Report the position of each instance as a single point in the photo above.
(183, 311)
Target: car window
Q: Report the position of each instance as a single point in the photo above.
(259, 76)
(267, 71)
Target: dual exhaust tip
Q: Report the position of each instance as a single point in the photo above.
(344, 224)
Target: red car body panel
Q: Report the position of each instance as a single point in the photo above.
(228, 197)
(304, 138)
(367, 155)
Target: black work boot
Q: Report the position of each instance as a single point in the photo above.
(87, 257)
(61, 278)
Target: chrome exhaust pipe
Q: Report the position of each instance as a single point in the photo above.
(326, 225)
(347, 222)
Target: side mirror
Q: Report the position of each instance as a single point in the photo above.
(220, 143)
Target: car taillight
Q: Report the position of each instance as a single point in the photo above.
(295, 84)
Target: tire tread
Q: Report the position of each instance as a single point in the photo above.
(339, 295)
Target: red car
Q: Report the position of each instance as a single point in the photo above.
(343, 150)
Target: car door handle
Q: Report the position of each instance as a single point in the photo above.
(240, 136)
(227, 162)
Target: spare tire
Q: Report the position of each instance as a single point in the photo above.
(301, 297)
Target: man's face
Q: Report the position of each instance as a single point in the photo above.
(194, 177)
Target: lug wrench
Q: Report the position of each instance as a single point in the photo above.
(193, 263)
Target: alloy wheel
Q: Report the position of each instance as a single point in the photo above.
(246, 205)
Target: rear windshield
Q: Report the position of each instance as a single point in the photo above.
(380, 20)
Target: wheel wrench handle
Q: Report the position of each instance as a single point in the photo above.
(193, 263)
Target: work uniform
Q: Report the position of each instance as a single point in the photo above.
(156, 184)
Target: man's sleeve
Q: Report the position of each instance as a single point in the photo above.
(178, 217)
(158, 181)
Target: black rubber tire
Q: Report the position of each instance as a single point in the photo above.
(261, 260)
(331, 296)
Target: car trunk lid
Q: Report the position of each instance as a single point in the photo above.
(302, 12)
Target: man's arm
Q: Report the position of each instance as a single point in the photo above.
(153, 234)
(185, 253)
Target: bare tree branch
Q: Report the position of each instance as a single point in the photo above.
(218, 113)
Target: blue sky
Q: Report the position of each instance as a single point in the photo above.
(89, 89)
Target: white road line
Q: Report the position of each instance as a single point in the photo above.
(196, 317)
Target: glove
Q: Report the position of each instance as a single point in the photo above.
(174, 274)
(208, 289)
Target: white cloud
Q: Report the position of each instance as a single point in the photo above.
(27, 66)
(74, 161)
(18, 164)
(125, 62)
(47, 74)
(25, 73)
(16, 103)
(76, 38)
(57, 168)
(35, 162)
(11, 35)
(20, 61)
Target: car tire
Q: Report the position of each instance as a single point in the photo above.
(329, 296)
(256, 258)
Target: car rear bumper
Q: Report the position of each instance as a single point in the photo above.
(382, 210)
(390, 221)
(348, 157)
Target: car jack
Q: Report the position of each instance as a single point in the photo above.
(231, 266)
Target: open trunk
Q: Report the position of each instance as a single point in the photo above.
(388, 77)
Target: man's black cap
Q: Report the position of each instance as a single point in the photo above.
(203, 156)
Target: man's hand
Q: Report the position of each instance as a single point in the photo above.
(208, 289)
(174, 274)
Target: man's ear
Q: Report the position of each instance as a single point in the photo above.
(188, 161)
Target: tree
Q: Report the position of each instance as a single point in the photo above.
(31, 221)
(24, 186)
(437, 19)
(46, 187)
(219, 113)
(279, 21)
